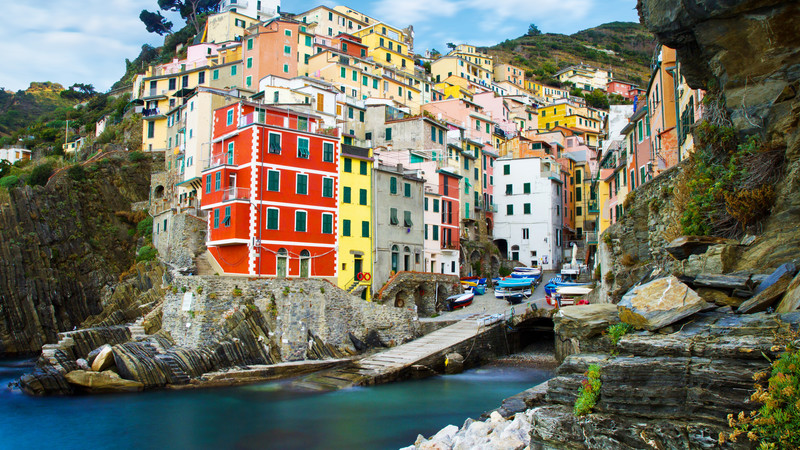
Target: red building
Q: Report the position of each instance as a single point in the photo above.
(350, 45)
(451, 211)
(627, 90)
(270, 191)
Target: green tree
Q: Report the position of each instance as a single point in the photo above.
(189, 9)
(155, 22)
(597, 99)
(40, 174)
(533, 30)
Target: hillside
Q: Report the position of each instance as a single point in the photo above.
(625, 47)
(18, 109)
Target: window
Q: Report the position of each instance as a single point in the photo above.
(388, 134)
(578, 192)
(393, 185)
(426, 203)
(250, 44)
(327, 152)
(215, 74)
(407, 219)
(151, 129)
(230, 117)
(226, 221)
(346, 194)
(362, 197)
(348, 165)
(249, 63)
(272, 218)
(327, 223)
(248, 80)
(273, 180)
(362, 169)
(426, 232)
(345, 227)
(525, 233)
(342, 72)
(275, 143)
(407, 190)
(436, 205)
(510, 210)
(302, 148)
(287, 32)
(365, 228)
(509, 189)
(327, 187)
(393, 216)
(435, 232)
(308, 41)
(441, 138)
(361, 116)
(172, 84)
(301, 184)
(433, 134)
(233, 70)
(208, 183)
(506, 169)
(216, 218)
(217, 181)
(578, 211)
(300, 220)
(287, 49)
(526, 188)
(526, 208)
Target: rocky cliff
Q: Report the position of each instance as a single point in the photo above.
(63, 247)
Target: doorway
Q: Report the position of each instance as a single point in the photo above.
(305, 262)
(282, 259)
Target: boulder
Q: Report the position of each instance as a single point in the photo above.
(765, 298)
(99, 382)
(775, 276)
(584, 321)
(453, 363)
(716, 259)
(660, 303)
(682, 247)
(104, 359)
(719, 297)
(791, 301)
(82, 364)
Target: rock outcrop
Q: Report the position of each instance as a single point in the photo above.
(659, 303)
(62, 247)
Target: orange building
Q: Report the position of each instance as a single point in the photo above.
(270, 48)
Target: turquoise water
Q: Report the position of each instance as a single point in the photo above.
(255, 417)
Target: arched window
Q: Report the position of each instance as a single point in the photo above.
(281, 263)
(305, 262)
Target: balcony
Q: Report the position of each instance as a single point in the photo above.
(449, 245)
(152, 114)
(299, 123)
(218, 160)
(593, 208)
(235, 193)
(591, 237)
(153, 94)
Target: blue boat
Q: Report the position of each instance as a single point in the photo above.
(514, 290)
(559, 281)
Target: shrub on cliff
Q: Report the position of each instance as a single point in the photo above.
(146, 253)
(145, 227)
(77, 173)
(9, 181)
(589, 391)
(40, 174)
(776, 423)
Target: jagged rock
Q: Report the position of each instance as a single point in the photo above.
(100, 382)
(718, 297)
(104, 359)
(791, 300)
(574, 325)
(453, 363)
(765, 298)
(45, 381)
(682, 247)
(717, 259)
(659, 303)
(357, 343)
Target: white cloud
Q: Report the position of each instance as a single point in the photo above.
(71, 42)
(412, 12)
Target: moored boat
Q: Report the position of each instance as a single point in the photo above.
(514, 290)
(459, 301)
(571, 295)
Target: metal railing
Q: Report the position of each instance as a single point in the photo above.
(591, 237)
(218, 160)
(235, 193)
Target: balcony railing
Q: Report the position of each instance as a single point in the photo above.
(449, 246)
(156, 93)
(235, 193)
(591, 237)
(218, 160)
(151, 112)
(593, 206)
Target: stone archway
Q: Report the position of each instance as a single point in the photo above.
(495, 266)
(401, 299)
(441, 296)
(158, 192)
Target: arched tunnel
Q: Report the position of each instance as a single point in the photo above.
(534, 335)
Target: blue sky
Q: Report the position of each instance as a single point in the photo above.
(87, 41)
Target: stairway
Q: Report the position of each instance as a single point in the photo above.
(202, 266)
(178, 376)
(137, 330)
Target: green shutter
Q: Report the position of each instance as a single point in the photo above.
(526, 208)
(393, 185)
(346, 195)
(407, 190)
(327, 224)
(345, 227)
(362, 197)
(362, 169)
(300, 220)
(272, 219)
(302, 184)
(327, 187)
(273, 181)
(365, 228)
(348, 165)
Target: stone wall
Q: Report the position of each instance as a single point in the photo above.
(630, 248)
(293, 310)
(183, 239)
(425, 291)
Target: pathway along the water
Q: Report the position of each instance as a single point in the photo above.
(397, 363)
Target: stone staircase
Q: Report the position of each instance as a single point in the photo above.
(178, 376)
(202, 266)
(137, 330)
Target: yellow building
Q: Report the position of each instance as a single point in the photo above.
(457, 66)
(388, 46)
(455, 87)
(568, 114)
(548, 93)
(355, 215)
(512, 74)
(226, 27)
(472, 55)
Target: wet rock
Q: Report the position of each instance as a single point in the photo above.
(45, 381)
(659, 303)
(102, 382)
(453, 363)
(791, 300)
(765, 298)
(104, 359)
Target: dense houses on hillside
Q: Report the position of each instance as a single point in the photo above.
(316, 145)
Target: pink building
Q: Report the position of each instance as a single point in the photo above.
(627, 90)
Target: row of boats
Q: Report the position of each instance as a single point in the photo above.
(562, 290)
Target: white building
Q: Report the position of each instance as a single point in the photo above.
(528, 220)
(262, 10)
(14, 154)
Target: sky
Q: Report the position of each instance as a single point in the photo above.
(87, 41)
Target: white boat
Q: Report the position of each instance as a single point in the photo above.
(572, 295)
